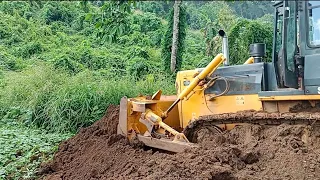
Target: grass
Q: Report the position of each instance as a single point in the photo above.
(59, 102)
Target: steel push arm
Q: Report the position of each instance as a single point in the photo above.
(209, 69)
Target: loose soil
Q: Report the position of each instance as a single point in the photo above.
(246, 152)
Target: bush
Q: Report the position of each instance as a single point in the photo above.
(137, 51)
(57, 11)
(21, 8)
(156, 7)
(12, 29)
(9, 62)
(136, 38)
(67, 62)
(147, 21)
(138, 67)
(29, 49)
(246, 32)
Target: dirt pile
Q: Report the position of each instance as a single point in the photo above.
(246, 152)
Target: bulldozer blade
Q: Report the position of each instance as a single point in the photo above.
(165, 144)
(122, 126)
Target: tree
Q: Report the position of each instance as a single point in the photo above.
(168, 39)
(223, 19)
(210, 35)
(113, 20)
(246, 32)
(175, 33)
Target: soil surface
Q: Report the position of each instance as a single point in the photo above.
(245, 152)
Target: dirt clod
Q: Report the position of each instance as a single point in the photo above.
(245, 152)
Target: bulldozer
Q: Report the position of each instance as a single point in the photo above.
(221, 96)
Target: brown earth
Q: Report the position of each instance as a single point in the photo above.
(246, 152)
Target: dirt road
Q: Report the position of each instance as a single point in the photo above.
(246, 152)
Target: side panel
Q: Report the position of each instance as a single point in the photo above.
(270, 73)
(200, 105)
(243, 79)
(312, 70)
(234, 103)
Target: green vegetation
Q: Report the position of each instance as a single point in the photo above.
(61, 102)
(63, 63)
(23, 149)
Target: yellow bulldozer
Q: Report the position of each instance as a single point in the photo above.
(216, 98)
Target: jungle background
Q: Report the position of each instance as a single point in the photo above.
(63, 63)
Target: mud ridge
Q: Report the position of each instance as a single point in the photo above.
(246, 152)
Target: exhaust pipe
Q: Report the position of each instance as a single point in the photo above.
(225, 46)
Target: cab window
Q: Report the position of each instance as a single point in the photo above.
(291, 22)
(314, 23)
(279, 29)
(291, 35)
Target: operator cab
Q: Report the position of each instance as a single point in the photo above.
(296, 46)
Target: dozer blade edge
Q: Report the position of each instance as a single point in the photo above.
(166, 144)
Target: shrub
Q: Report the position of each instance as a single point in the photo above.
(57, 11)
(147, 21)
(138, 67)
(67, 62)
(246, 32)
(29, 49)
(9, 62)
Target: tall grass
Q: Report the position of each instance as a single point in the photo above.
(57, 101)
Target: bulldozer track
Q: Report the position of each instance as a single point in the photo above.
(256, 117)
